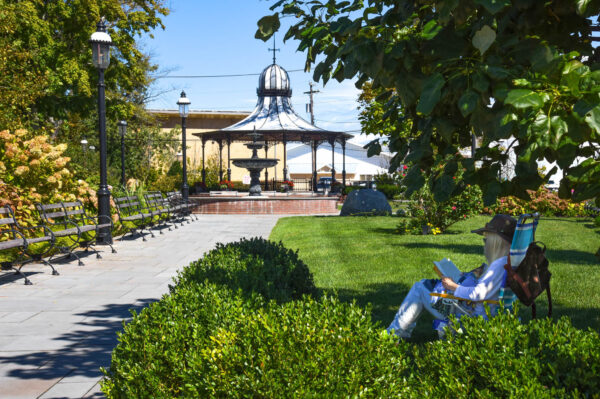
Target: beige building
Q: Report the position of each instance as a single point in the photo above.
(205, 121)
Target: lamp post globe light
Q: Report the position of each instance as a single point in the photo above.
(101, 43)
(122, 130)
(184, 109)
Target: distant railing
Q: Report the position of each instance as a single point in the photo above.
(299, 185)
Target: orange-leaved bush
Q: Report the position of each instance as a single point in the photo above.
(543, 201)
(33, 170)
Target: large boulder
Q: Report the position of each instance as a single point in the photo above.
(366, 202)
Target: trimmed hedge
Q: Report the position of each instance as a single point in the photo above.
(223, 333)
(255, 266)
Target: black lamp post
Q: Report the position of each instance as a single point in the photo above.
(184, 109)
(122, 130)
(101, 43)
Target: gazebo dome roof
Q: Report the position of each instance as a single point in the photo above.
(274, 81)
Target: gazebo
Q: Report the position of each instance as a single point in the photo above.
(275, 119)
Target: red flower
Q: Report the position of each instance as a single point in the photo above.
(405, 167)
(453, 208)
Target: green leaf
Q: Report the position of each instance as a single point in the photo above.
(443, 187)
(497, 72)
(373, 148)
(480, 82)
(483, 39)
(431, 93)
(267, 26)
(491, 192)
(467, 102)
(581, 6)
(541, 57)
(414, 180)
(445, 9)
(493, 6)
(524, 98)
(592, 118)
(430, 30)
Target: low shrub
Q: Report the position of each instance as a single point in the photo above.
(389, 190)
(348, 189)
(432, 217)
(253, 265)
(544, 201)
(208, 341)
(505, 358)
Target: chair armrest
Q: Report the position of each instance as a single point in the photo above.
(450, 296)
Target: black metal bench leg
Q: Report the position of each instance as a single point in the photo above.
(20, 273)
(54, 271)
(79, 261)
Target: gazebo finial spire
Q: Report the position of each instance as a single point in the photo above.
(274, 49)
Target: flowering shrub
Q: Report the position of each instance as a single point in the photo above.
(543, 201)
(289, 183)
(226, 184)
(33, 170)
(431, 217)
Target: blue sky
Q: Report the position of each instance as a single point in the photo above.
(207, 37)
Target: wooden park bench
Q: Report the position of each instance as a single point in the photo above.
(134, 216)
(16, 237)
(70, 221)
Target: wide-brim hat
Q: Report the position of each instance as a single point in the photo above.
(503, 225)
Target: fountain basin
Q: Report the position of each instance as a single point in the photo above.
(254, 163)
(271, 204)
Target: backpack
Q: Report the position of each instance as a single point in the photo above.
(531, 277)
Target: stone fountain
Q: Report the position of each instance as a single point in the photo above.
(255, 164)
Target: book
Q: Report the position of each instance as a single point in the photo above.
(445, 268)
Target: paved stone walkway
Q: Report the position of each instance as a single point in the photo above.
(57, 333)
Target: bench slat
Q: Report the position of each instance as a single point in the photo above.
(49, 206)
(7, 221)
(55, 215)
(14, 243)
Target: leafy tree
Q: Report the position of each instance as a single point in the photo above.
(374, 120)
(51, 39)
(523, 71)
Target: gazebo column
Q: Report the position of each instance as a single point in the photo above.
(332, 142)
(314, 165)
(229, 158)
(220, 160)
(285, 171)
(344, 162)
(266, 169)
(203, 164)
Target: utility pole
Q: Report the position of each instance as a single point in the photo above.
(310, 107)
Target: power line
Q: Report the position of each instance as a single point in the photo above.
(214, 76)
(322, 120)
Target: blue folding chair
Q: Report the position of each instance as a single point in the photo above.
(449, 304)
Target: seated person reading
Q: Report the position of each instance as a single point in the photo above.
(480, 284)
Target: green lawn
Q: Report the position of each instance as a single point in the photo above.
(362, 258)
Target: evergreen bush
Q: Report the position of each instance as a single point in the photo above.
(253, 265)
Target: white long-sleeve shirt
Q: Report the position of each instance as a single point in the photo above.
(487, 286)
